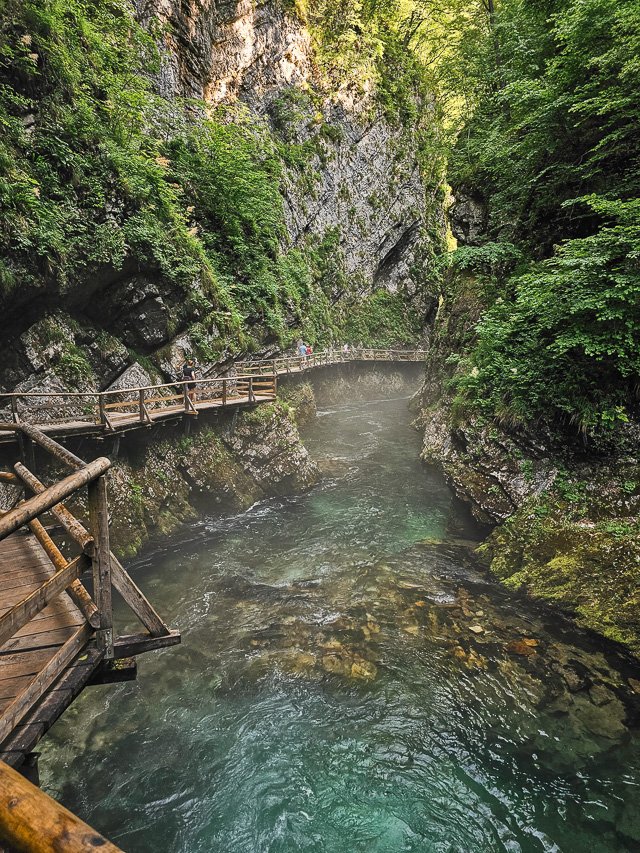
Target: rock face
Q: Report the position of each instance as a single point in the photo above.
(468, 216)
(226, 467)
(221, 50)
(566, 524)
(365, 176)
(359, 183)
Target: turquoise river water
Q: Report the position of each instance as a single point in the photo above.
(350, 679)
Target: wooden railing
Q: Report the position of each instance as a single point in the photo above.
(33, 822)
(95, 557)
(251, 382)
(284, 365)
(140, 405)
(30, 820)
(114, 407)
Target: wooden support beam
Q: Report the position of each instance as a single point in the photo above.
(38, 504)
(32, 822)
(56, 450)
(101, 559)
(36, 688)
(18, 616)
(135, 599)
(136, 644)
(76, 590)
(115, 671)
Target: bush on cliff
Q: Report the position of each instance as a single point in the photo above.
(552, 147)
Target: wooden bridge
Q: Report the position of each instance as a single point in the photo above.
(100, 413)
(55, 636)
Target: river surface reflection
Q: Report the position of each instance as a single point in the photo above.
(351, 680)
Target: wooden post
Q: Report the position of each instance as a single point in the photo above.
(32, 822)
(141, 405)
(224, 392)
(250, 394)
(14, 409)
(185, 394)
(101, 560)
(102, 412)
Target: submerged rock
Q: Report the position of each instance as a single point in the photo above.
(522, 647)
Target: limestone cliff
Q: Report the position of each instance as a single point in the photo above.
(356, 208)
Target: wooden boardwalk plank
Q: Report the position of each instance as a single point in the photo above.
(29, 659)
(46, 639)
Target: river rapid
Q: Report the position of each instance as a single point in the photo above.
(350, 679)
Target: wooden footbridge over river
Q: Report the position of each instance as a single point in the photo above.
(56, 628)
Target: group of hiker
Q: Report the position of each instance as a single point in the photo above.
(306, 349)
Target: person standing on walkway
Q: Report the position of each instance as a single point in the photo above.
(189, 375)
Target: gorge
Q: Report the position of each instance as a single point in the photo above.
(221, 180)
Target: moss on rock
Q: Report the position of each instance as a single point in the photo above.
(572, 546)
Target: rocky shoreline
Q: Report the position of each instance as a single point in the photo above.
(563, 517)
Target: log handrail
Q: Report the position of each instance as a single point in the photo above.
(33, 822)
(76, 590)
(62, 454)
(35, 506)
(70, 523)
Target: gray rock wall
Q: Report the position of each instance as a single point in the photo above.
(360, 180)
(366, 178)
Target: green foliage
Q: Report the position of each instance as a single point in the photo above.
(551, 143)
(73, 137)
(485, 258)
(72, 365)
(382, 319)
(99, 176)
(567, 345)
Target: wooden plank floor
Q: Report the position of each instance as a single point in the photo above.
(23, 568)
(125, 419)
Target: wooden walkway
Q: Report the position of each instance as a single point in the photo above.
(56, 636)
(36, 647)
(109, 412)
